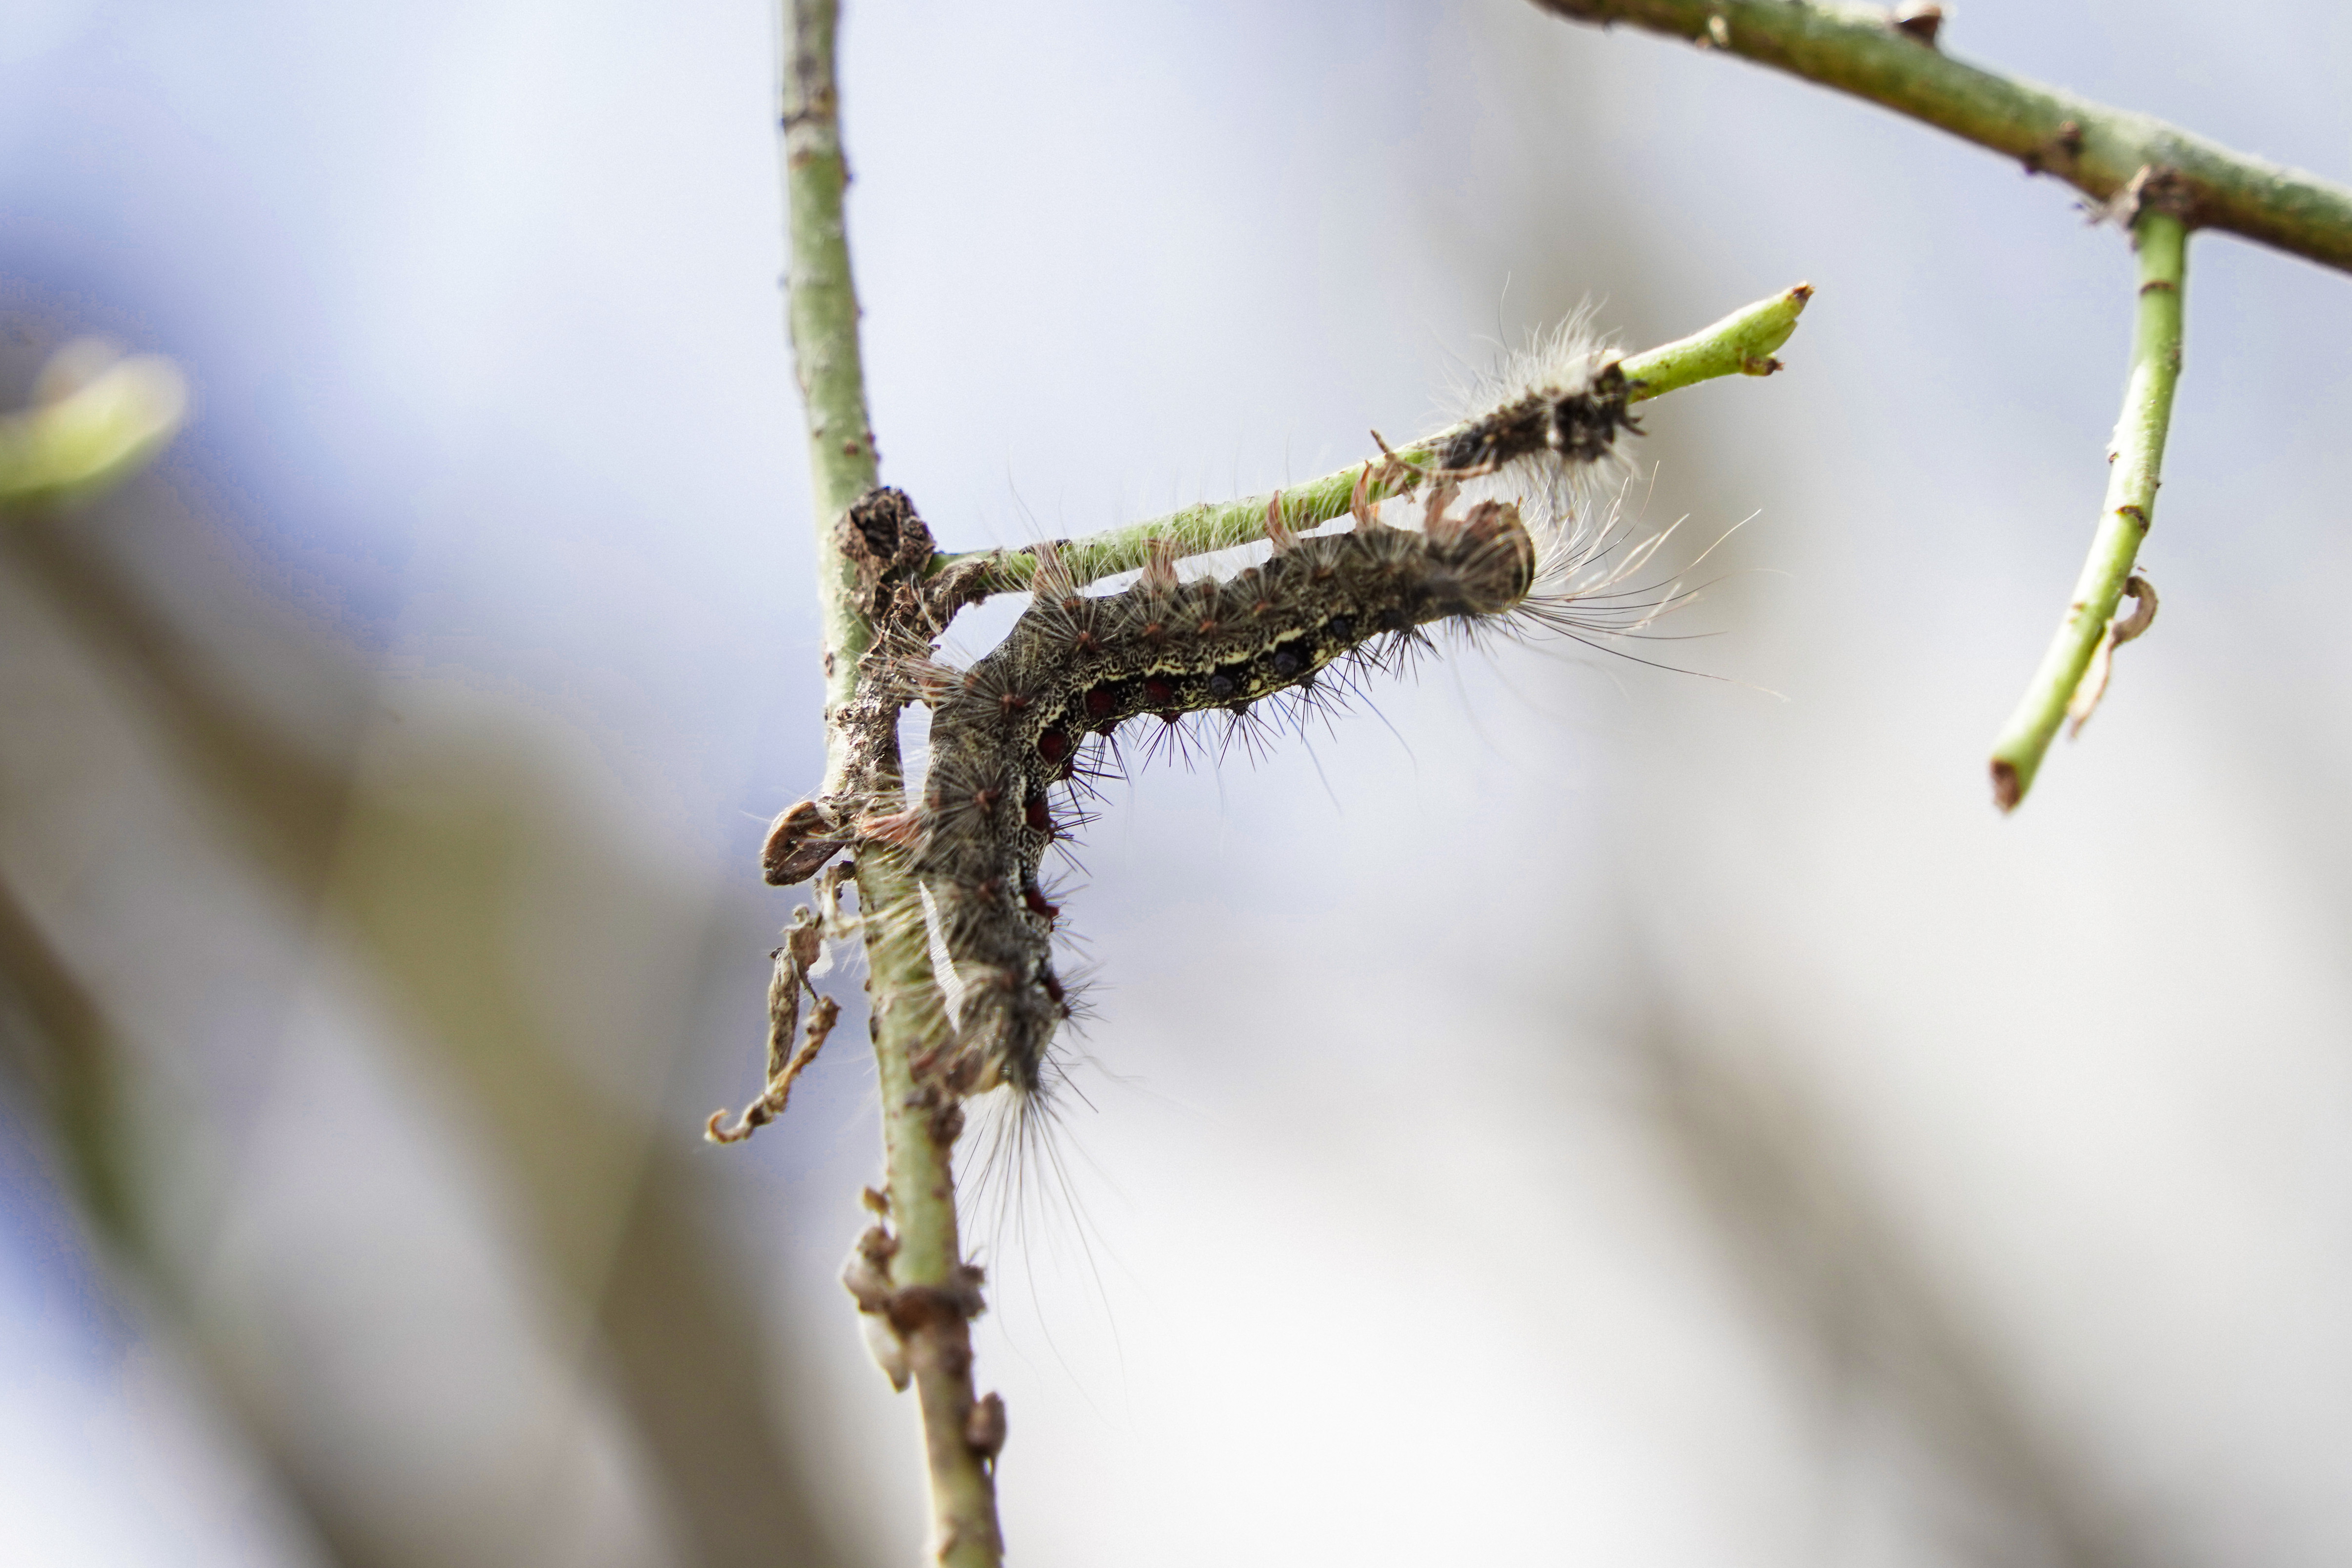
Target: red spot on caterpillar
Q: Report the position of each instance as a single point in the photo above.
(986, 799)
(1052, 986)
(1011, 702)
(1100, 702)
(1033, 812)
(1053, 745)
(1159, 690)
(1086, 642)
(1035, 898)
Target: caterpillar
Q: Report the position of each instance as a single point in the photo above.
(1074, 666)
(1017, 738)
(1036, 713)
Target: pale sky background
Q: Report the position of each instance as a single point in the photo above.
(1595, 1115)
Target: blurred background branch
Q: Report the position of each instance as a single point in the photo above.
(95, 419)
(616, 1224)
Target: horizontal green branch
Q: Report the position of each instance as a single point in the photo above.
(1863, 51)
(1740, 343)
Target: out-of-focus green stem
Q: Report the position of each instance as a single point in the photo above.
(1740, 343)
(926, 1270)
(2136, 459)
(1863, 51)
(93, 436)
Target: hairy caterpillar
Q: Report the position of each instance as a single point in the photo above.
(1007, 732)
(1038, 714)
(1011, 728)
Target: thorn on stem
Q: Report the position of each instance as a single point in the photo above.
(2121, 630)
(1920, 22)
(984, 1427)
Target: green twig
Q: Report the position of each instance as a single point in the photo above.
(2136, 459)
(1895, 63)
(1740, 343)
(822, 315)
(930, 1292)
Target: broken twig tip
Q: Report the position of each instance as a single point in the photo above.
(2006, 790)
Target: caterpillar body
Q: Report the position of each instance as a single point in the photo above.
(1017, 738)
(1076, 667)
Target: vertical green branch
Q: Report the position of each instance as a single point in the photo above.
(822, 314)
(931, 1293)
(2135, 458)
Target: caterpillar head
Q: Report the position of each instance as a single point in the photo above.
(1485, 557)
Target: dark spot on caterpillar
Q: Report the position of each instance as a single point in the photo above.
(1287, 662)
(1052, 986)
(1169, 716)
(1395, 618)
(1340, 628)
(1102, 702)
(1033, 812)
(1035, 898)
(1053, 745)
(1223, 686)
(1159, 690)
